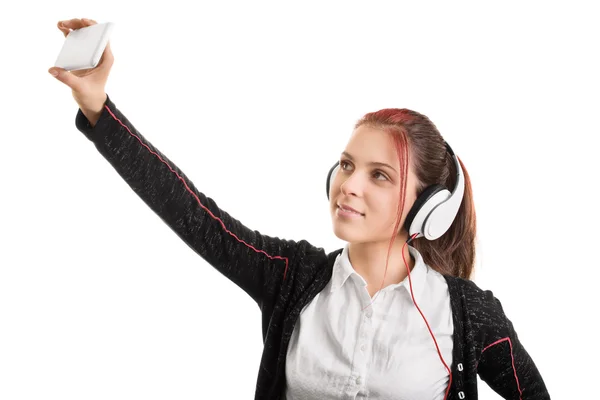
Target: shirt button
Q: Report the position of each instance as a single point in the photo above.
(363, 347)
(460, 367)
(461, 395)
(358, 380)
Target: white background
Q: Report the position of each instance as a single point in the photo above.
(254, 101)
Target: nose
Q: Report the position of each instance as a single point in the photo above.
(351, 184)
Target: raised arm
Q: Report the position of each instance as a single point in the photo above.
(504, 364)
(256, 263)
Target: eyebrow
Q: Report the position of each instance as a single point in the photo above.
(379, 164)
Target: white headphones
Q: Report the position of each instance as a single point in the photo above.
(435, 208)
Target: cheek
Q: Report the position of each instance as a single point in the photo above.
(385, 212)
(334, 193)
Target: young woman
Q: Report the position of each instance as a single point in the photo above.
(392, 315)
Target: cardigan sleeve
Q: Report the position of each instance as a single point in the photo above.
(255, 262)
(504, 363)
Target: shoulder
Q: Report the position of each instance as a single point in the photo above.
(481, 305)
(469, 290)
(310, 260)
(480, 309)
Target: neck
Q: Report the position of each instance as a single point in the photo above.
(369, 261)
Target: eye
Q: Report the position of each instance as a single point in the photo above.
(379, 173)
(385, 178)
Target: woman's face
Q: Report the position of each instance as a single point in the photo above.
(364, 183)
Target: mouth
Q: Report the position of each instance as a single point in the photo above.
(348, 211)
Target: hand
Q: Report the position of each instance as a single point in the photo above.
(87, 85)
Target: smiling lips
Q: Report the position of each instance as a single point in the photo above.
(347, 210)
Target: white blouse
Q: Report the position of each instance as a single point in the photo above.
(386, 351)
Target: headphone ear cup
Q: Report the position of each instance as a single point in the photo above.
(419, 202)
(331, 177)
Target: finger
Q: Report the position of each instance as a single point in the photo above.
(75, 23)
(67, 78)
(63, 29)
(71, 24)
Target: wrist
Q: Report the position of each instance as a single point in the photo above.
(93, 112)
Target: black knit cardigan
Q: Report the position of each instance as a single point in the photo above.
(283, 276)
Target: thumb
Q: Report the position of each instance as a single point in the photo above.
(65, 77)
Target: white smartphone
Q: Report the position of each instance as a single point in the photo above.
(83, 47)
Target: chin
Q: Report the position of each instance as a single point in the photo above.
(345, 238)
(346, 233)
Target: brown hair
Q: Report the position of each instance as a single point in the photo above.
(454, 252)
